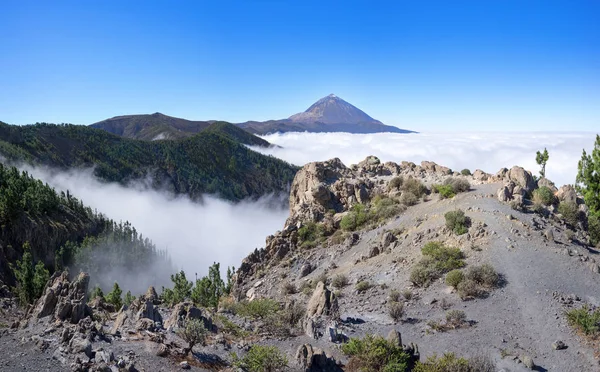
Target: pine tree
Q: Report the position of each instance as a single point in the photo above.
(542, 158)
(114, 296)
(25, 274)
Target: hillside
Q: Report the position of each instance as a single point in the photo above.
(151, 127)
(379, 267)
(62, 232)
(329, 114)
(214, 161)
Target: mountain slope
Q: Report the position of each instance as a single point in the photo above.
(329, 114)
(210, 162)
(151, 127)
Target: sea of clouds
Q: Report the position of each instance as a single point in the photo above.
(487, 151)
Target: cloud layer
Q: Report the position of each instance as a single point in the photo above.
(195, 235)
(486, 151)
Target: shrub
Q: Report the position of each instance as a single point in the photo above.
(182, 289)
(396, 183)
(484, 275)
(465, 172)
(445, 191)
(585, 320)
(544, 196)
(454, 277)
(396, 310)
(114, 296)
(407, 294)
(258, 308)
(468, 289)
(458, 184)
(447, 363)
(311, 233)
(457, 221)
(357, 217)
(338, 237)
(363, 286)
(374, 353)
(438, 260)
(456, 318)
(594, 229)
(192, 332)
(339, 281)
(261, 359)
(408, 198)
(414, 186)
(394, 295)
(288, 288)
(570, 212)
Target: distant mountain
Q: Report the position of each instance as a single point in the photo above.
(215, 161)
(151, 127)
(329, 114)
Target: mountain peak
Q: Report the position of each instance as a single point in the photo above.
(332, 110)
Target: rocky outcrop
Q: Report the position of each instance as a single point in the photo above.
(185, 311)
(518, 185)
(63, 299)
(312, 360)
(567, 194)
(322, 302)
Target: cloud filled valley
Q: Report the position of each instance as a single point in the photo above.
(486, 151)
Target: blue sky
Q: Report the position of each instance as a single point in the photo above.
(427, 66)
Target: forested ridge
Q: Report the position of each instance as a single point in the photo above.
(215, 161)
(61, 231)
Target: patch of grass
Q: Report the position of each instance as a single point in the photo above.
(376, 354)
(454, 277)
(457, 221)
(259, 308)
(339, 281)
(338, 237)
(585, 320)
(363, 286)
(261, 359)
(438, 260)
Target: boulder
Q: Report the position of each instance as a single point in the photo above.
(521, 177)
(184, 311)
(546, 182)
(567, 194)
(63, 299)
(480, 175)
(558, 345)
(386, 239)
(394, 337)
(322, 302)
(149, 311)
(312, 359)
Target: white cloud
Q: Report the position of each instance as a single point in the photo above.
(196, 235)
(486, 151)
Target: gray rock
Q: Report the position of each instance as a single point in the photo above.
(394, 337)
(527, 361)
(184, 365)
(558, 345)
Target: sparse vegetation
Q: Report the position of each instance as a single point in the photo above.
(394, 295)
(259, 308)
(339, 281)
(407, 294)
(311, 234)
(414, 186)
(468, 289)
(408, 198)
(585, 320)
(396, 183)
(454, 277)
(438, 260)
(192, 332)
(380, 209)
(465, 172)
(450, 363)
(456, 318)
(363, 286)
(288, 288)
(374, 353)
(543, 196)
(445, 191)
(209, 289)
(484, 275)
(261, 359)
(396, 310)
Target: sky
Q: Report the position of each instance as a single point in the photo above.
(426, 65)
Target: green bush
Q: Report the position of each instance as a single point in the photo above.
(114, 296)
(192, 332)
(465, 172)
(416, 187)
(447, 363)
(261, 359)
(544, 196)
(396, 183)
(454, 277)
(363, 286)
(594, 229)
(408, 198)
(445, 191)
(484, 275)
(259, 308)
(468, 289)
(438, 260)
(374, 353)
(182, 289)
(394, 295)
(456, 318)
(339, 281)
(570, 212)
(458, 184)
(585, 320)
(311, 233)
(129, 298)
(457, 221)
(356, 217)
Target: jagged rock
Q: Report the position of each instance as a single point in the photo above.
(322, 302)
(105, 356)
(306, 269)
(394, 337)
(310, 328)
(546, 182)
(480, 175)
(312, 359)
(374, 251)
(386, 239)
(79, 344)
(184, 311)
(558, 345)
(522, 178)
(567, 194)
(64, 299)
(151, 296)
(149, 311)
(122, 316)
(162, 351)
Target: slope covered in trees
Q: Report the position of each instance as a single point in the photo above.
(214, 161)
(39, 225)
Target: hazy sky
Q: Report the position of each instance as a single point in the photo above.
(427, 66)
